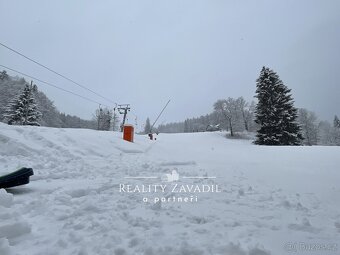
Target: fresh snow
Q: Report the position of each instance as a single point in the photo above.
(271, 197)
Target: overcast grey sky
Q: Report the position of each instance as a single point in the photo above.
(190, 51)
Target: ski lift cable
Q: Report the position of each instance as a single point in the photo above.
(53, 85)
(55, 72)
(159, 115)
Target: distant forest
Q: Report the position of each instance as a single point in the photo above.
(10, 87)
(234, 115)
(314, 131)
(273, 117)
(238, 116)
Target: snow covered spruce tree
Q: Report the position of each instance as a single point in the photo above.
(275, 112)
(4, 75)
(22, 110)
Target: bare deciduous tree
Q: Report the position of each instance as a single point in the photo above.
(309, 128)
(230, 110)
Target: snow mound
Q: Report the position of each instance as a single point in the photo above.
(6, 199)
(269, 195)
(13, 229)
(11, 225)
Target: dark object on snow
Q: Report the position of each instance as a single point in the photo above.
(19, 177)
(150, 136)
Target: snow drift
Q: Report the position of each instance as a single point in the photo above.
(271, 197)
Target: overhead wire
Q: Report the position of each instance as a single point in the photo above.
(53, 85)
(57, 73)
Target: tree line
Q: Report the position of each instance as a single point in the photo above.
(22, 103)
(273, 117)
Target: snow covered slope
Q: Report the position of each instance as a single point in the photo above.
(272, 199)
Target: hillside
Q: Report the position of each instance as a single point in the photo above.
(271, 197)
(12, 86)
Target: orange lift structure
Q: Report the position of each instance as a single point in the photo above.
(128, 132)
